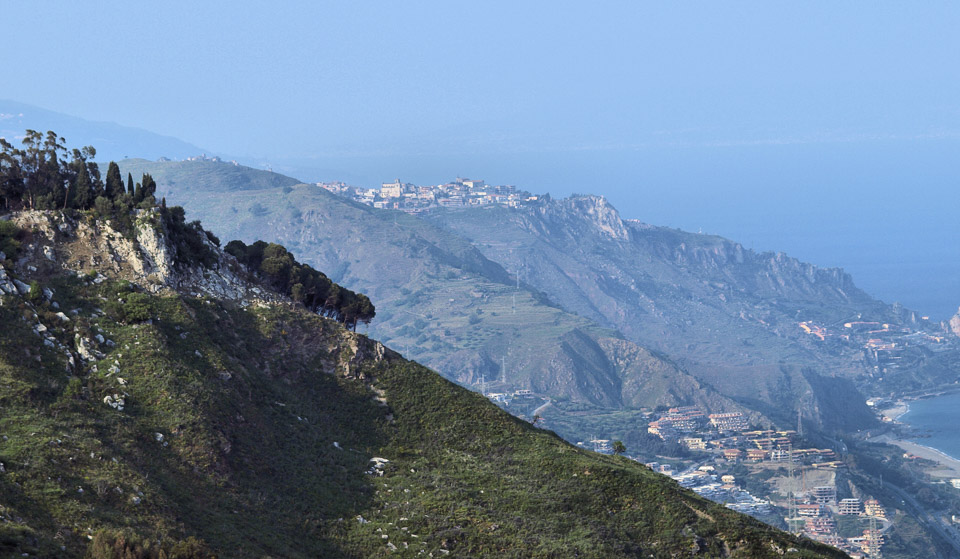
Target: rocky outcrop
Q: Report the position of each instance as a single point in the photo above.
(955, 324)
(87, 246)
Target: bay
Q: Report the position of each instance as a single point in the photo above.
(935, 420)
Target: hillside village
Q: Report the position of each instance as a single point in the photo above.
(771, 475)
(412, 198)
(885, 347)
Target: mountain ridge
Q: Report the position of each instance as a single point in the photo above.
(113, 141)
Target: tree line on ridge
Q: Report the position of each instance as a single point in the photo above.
(43, 175)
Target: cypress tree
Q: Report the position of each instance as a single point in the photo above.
(82, 195)
(114, 185)
(149, 186)
(130, 184)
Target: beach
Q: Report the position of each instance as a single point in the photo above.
(947, 466)
(894, 413)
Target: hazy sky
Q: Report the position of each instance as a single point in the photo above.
(307, 78)
(830, 130)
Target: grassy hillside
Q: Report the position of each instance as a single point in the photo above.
(205, 175)
(252, 429)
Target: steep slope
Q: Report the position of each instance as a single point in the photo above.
(137, 413)
(728, 315)
(441, 302)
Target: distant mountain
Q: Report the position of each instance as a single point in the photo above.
(441, 302)
(112, 141)
(205, 175)
(732, 317)
(154, 405)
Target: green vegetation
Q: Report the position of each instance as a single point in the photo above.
(213, 429)
(117, 545)
(302, 283)
(40, 176)
(188, 238)
(10, 237)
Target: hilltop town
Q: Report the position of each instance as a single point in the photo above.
(412, 198)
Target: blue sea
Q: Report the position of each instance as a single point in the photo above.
(935, 419)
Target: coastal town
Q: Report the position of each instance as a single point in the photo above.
(411, 198)
(772, 475)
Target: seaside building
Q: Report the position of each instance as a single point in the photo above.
(734, 421)
(808, 510)
(756, 454)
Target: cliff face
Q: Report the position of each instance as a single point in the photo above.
(954, 324)
(726, 314)
(146, 258)
(141, 410)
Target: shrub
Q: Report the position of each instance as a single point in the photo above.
(120, 545)
(188, 238)
(103, 207)
(10, 236)
(74, 389)
(138, 307)
(35, 295)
